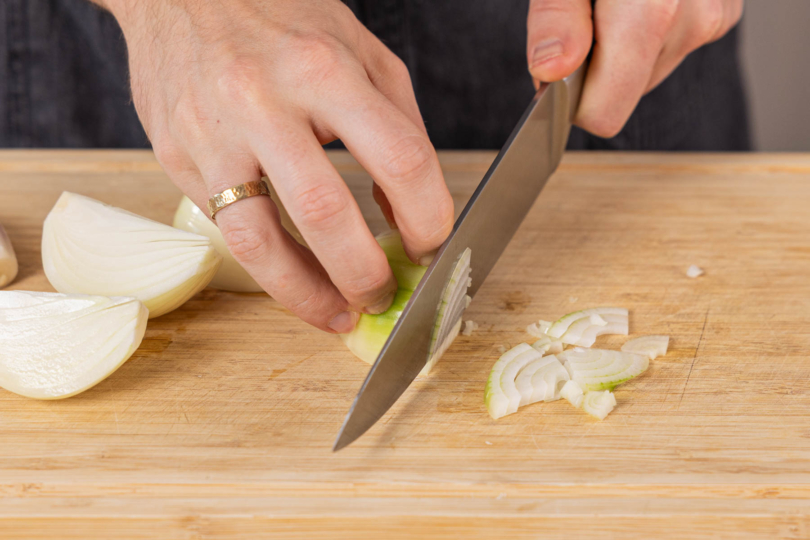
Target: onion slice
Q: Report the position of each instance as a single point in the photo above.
(598, 369)
(539, 328)
(541, 380)
(501, 396)
(599, 404)
(581, 328)
(547, 345)
(372, 331)
(91, 248)
(8, 260)
(649, 346)
(572, 392)
(55, 345)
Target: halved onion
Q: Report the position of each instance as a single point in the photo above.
(55, 345)
(650, 346)
(8, 260)
(597, 369)
(581, 328)
(572, 392)
(501, 396)
(541, 380)
(372, 331)
(230, 276)
(91, 248)
(599, 404)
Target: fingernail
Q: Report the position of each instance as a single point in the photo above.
(382, 305)
(546, 50)
(343, 323)
(425, 260)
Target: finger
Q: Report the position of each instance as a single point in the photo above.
(400, 158)
(280, 265)
(629, 36)
(326, 214)
(181, 169)
(560, 33)
(389, 74)
(698, 22)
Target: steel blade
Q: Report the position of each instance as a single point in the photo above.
(487, 224)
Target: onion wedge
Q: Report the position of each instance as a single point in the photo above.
(372, 331)
(597, 369)
(649, 346)
(91, 248)
(54, 345)
(599, 404)
(8, 260)
(541, 380)
(539, 328)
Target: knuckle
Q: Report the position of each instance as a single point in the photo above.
(317, 59)
(319, 205)
(400, 71)
(307, 306)
(240, 82)
(711, 22)
(246, 241)
(170, 155)
(369, 283)
(662, 15)
(410, 160)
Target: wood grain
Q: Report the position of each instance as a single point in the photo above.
(221, 424)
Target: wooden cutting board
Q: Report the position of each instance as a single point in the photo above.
(221, 425)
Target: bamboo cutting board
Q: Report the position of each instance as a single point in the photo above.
(221, 425)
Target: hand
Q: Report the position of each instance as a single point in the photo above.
(637, 44)
(228, 89)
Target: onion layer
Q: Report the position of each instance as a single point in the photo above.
(597, 369)
(649, 346)
(91, 248)
(8, 260)
(55, 345)
(572, 392)
(599, 404)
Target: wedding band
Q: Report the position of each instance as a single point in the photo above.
(235, 194)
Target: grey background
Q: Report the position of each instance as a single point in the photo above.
(776, 64)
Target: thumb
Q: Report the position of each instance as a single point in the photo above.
(560, 33)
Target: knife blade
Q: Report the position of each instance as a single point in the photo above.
(487, 224)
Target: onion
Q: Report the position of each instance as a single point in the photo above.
(572, 392)
(230, 276)
(539, 328)
(694, 271)
(372, 331)
(650, 346)
(597, 369)
(469, 327)
(91, 248)
(501, 396)
(541, 380)
(547, 345)
(8, 260)
(599, 404)
(581, 328)
(55, 345)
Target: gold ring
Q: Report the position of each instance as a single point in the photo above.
(236, 193)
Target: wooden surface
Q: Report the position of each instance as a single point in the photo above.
(220, 426)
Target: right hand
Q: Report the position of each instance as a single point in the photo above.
(228, 89)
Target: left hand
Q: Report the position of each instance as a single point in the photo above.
(636, 45)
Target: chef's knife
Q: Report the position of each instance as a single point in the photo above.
(487, 224)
